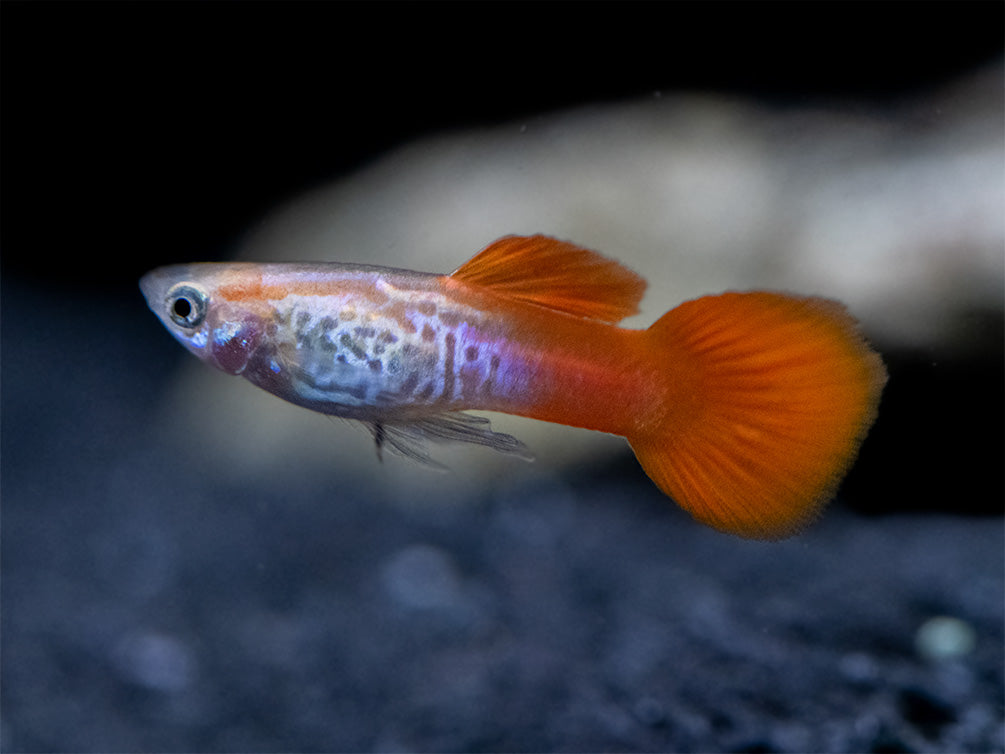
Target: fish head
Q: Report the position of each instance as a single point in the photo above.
(187, 300)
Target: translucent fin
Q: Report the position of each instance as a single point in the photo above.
(410, 438)
(557, 275)
(766, 401)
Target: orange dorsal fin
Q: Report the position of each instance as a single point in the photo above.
(767, 398)
(555, 274)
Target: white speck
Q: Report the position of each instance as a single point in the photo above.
(944, 637)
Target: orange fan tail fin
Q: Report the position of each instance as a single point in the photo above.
(768, 398)
(557, 275)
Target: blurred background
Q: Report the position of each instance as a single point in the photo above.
(189, 564)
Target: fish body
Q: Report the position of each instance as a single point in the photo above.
(746, 408)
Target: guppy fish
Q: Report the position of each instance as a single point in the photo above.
(745, 408)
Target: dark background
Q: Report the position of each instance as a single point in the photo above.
(137, 134)
(176, 125)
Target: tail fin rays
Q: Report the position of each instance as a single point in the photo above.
(768, 398)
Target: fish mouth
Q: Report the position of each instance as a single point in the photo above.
(148, 283)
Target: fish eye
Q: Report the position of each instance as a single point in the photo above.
(186, 305)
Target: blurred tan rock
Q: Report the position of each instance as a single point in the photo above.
(897, 212)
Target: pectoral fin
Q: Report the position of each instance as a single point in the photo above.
(409, 438)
